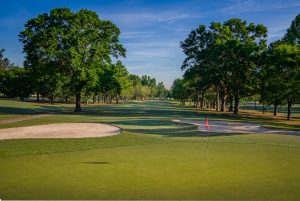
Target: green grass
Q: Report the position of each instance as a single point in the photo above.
(153, 158)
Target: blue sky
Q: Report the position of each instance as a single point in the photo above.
(151, 29)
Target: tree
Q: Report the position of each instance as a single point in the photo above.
(197, 85)
(293, 33)
(4, 62)
(114, 81)
(242, 50)
(16, 83)
(286, 61)
(271, 85)
(280, 75)
(161, 91)
(73, 46)
(179, 90)
(150, 83)
(226, 55)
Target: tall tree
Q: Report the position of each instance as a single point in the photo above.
(4, 62)
(179, 90)
(293, 33)
(16, 82)
(286, 61)
(226, 54)
(161, 91)
(72, 45)
(243, 46)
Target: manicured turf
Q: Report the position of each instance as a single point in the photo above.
(153, 158)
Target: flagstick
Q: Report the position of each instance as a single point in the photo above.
(207, 154)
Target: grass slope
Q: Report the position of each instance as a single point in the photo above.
(153, 158)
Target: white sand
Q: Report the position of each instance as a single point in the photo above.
(234, 127)
(63, 130)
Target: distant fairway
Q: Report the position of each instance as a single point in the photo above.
(154, 158)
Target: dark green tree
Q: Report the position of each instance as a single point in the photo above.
(72, 45)
(226, 55)
(16, 82)
(179, 90)
(286, 79)
(4, 62)
(293, 33)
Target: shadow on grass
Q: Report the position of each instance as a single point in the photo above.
(168, 128)
(39, 110)
(96, 163)
(156, 127)
(150, 111)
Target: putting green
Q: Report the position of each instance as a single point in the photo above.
(234, 127)
(157, 171)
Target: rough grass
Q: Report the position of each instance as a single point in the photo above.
(153, 158)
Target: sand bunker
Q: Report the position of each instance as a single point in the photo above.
(234, 127)
(63, 130)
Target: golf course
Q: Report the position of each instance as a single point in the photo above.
(150, 100)
(152, 158)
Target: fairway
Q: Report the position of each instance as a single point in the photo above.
(153, 158)
(150, 100)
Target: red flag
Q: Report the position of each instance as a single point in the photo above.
(206, 123)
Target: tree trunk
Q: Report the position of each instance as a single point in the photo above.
(230, 104)
(198, 100)
(218, 99)
(223, 103)
(275, 110)
(51, 100)
(289, 109)
(236, 104)
(255, 107)
(202, 100)
(78, 102)
(37, 97)
(117, 99)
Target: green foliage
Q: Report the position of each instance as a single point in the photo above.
(114, 81)
(4, 62)
(179, 90)
(161, 91)
(283, 74)
(69, 48)
(224, 55)
(15, 82)
(293, 33)
(280, 75)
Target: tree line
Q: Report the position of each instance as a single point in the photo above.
(74, 55)
(232, 60)
(114, 84)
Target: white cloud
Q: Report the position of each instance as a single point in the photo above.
(137, 34)
(244, 6)
(151, 16)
